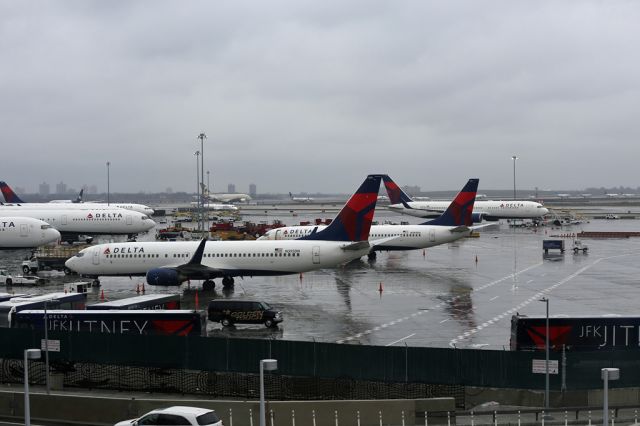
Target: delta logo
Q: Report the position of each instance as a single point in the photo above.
(107, 251)
(89, 216)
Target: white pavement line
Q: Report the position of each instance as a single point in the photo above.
(400, 340)
(537, 296)
(439, 305)
(493, 298)
(444, 320)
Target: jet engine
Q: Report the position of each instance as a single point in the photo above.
(164, 277)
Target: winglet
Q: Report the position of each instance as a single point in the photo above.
(354, 220)
(395, 193)
(9, 195)
(459, 211)
(197, 256)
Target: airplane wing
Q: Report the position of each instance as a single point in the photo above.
(192, 270)
(382, 241)
(484, 225)
(408, 207)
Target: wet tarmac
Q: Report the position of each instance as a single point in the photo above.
(461, 294)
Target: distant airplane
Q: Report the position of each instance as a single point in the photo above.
(25, 232)
(223, 197)
(300, 199)
(482, 210)
(564, 195)
(455, 223)
(77, 200)
(172, 263)
(11, 197)
(217, 206)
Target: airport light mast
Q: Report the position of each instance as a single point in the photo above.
(202, 137)
(197, 154)
(514, 158)
(108, 192)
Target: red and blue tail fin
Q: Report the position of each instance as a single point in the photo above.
(354, 220)
(459, 211)
(9, 195)
(396, 195)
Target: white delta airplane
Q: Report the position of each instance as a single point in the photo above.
(87, 221)
(25, 232)
(482, 210)
(453, 224)
(172, 263)
(11, 197)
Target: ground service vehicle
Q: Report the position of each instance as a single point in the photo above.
(588, 333)
(164, 322)
(178, 415)
(579, 246)
(8, 308)
(229, 312)
(147, 301)
(553, 245)
(8, 279)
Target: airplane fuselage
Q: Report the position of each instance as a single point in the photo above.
(232, 258)
(490, 210)
(69, 205)
(85, 221)
(24, 232)
(407, 237)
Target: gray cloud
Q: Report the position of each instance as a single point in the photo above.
(311, 96)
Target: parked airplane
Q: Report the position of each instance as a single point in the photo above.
(172, 263)
(300, 199)
(217, 206)
(77, 200)
(482, 210)
(88, 221)
(25, 232)
(452, 225)
(11, 197)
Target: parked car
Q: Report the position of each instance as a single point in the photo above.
(228, 312)
(177, 415)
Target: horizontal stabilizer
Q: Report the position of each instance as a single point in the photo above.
(359, 245)
(462, 228)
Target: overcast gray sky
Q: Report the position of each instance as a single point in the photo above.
(313, 95)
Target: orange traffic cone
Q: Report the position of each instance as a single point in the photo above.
(380, 288)
(137, 288)
(142, 288)
(300, 276)
(102, 294)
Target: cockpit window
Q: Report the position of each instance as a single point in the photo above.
(46, 226)
(80, 254)
(145, 217)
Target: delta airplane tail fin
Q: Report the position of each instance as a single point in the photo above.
(9, 195)
(459, 211)
(396, 195)
(354, 220)
(79, 199)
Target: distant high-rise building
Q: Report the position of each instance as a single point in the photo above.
(61, 188)
(231, 188)
(20, 190)
(44, 189)
(169, 190)
(253, 190)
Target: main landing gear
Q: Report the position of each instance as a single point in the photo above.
(228, 282)
(208, 285)
(372, 255)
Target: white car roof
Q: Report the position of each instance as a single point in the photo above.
(182, 409)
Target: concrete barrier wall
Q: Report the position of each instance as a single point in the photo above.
(104, 410)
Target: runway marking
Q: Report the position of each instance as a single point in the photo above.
(535, 297)
(529, 281)
(439, 305)
(493, 298)
(400, 340)
(444, 320)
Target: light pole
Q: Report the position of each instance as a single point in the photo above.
(108, 189)
(28, 354)
(207, 203)
(607, 374)
(265, 365)
(197, 154)
(514, 158)
(202, 136)
(546, 357)
(46, 345)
